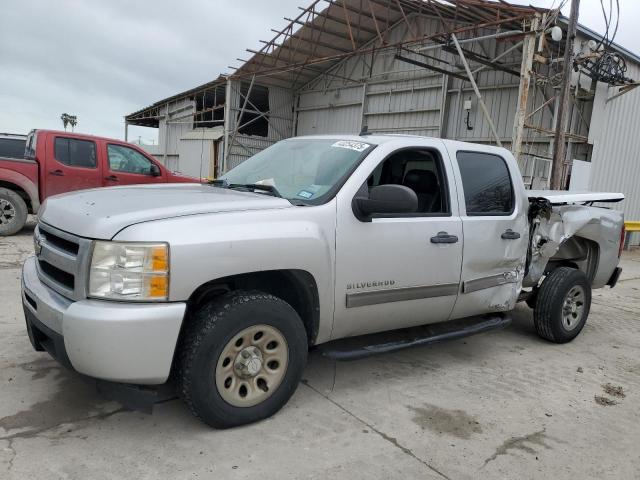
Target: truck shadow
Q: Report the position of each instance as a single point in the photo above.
(74, 400)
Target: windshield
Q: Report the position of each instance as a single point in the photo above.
(307, 170)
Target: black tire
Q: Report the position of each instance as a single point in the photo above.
(13, 212)
(549, 314)
(210, 330)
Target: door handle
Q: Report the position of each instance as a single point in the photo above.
(57, 173)
(111, 178)
(510, 235)
(444, 237)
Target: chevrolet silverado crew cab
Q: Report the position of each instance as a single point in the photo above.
(224, 287)
(57, 162)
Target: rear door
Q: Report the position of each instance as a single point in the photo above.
(70, 164)
(395, 271)
(126, 166)
(493, 210)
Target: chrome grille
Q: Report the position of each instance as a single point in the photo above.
(62, 260)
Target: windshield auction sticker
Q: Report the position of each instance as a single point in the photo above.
(356, 146)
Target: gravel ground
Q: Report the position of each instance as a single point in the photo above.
(499, 405)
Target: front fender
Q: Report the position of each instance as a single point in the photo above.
(22, 181)
(212, 246)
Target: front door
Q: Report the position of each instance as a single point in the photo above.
(126, 166)
(395, 271)
(494, 219)
(70, 164)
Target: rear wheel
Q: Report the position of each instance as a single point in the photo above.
(13, 212)
(562, 305)
(241, 358)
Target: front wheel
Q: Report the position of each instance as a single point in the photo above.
(562, 305)
(241, 358)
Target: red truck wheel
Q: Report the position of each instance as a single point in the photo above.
(13, 212)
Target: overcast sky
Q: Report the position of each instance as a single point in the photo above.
(101, 60)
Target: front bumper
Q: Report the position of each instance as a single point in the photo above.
(119, 342)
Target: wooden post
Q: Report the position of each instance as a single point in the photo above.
(528, 50)
(559, 145)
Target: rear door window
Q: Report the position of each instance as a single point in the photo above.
(12, 147)
(75, 153)
(487, 184)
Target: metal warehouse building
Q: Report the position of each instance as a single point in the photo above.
(473, 70)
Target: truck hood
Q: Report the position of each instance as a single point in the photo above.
(102, 212)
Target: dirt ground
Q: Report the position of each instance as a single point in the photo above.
(499, 405)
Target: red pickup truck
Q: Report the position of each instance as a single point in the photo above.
(58, 162)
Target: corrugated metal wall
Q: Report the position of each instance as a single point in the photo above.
(391, 96)
(176, 119)
(615, 162)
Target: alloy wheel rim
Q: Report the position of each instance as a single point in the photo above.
(7, 212)
(573, 307)
(252, 366)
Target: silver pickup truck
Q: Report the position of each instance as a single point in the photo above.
(355, 244)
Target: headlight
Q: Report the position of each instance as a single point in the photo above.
(129, 271)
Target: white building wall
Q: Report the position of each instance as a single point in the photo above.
(176, 120)
(615, 162)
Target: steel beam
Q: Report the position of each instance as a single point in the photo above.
(429, 67)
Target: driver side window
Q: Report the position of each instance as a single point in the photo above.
(420, 170)
(127, 160)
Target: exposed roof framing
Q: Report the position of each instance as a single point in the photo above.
(150, 116)
(329, 31)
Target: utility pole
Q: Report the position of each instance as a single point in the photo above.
(559, 145)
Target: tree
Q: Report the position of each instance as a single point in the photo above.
(68, 120)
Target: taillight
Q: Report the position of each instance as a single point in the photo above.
(623, 234)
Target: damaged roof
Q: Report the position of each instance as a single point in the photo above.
(149, 116)
(330, 30)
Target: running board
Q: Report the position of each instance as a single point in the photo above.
(354, 348)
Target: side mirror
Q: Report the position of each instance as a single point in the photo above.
(385, 199)
(154, 170)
